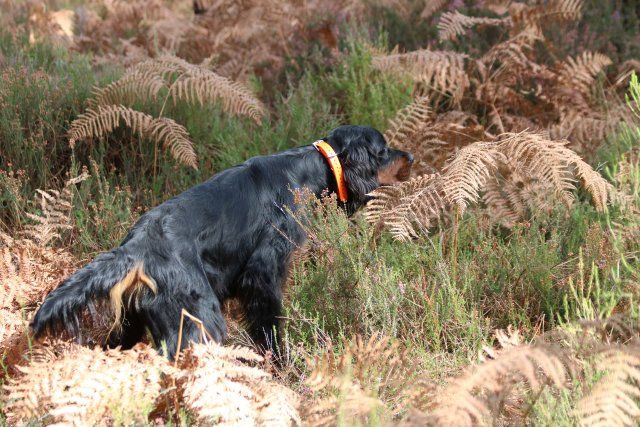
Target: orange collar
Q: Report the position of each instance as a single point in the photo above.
(332, 158)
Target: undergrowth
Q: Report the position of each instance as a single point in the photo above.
(465, 313)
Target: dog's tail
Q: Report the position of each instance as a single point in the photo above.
(111, 276)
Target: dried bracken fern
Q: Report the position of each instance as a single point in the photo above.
(431, 7)
(412, 207)
(55, 212)
(103, 120)
(579, 73)
(509, 381)
(554, 163)
(454, 24)
(74, 385)
(613, 399)
(196, 83)
(170, 77)
(175, 137)
(512, 197)
(506, 339)
(29, 266)
(436, 73)
(409, 122)
(207, 86)
(510, 57)
(134, 86)
(28, 271)
(221, 386)
(585, 130)
(431, 139)
(538, 15)
(356, 382)
(471, 398)
(468, 172)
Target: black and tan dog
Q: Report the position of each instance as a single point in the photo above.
(229, 237)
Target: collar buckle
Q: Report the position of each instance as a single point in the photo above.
(327, 155)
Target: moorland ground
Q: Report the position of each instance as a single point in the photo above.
(498, 286)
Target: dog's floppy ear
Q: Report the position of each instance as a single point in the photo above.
(357, 153)
(359, 167)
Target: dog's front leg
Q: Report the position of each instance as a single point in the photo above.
(260, 291)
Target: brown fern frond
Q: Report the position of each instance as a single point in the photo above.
(615, 395)
(206, 87)
(55, 212)
(580, 72)
(368, 372)
(80, 386)
(29, 270)
(186, 81)
(432, 143)
(408, 122)
(431, 7)
(102, 120)
(98, 122)
(536, 16)
(221, 386)
(539, 158)
(135, 85)
(503, 203)
(277, 406)
(348, 402)
(454, 24)
(55, 217)
(11, 322)
(468, 172)
(594, 183)
(512, 55)
(409, 209)
(512, 196)
(176, 138)
(506, 339)
(585, 130)
(567, 10)
(472, 397)
(554, 163)
(165, 66)
(517, 172)
(197, 83)
(413, 207)
(436, 73)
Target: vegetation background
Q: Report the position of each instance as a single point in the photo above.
(499, 286)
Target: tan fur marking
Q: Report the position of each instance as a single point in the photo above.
(130, 285)
(396, 172)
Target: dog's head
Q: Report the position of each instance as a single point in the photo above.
(367, 161)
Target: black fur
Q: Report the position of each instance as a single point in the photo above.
(229, 237)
